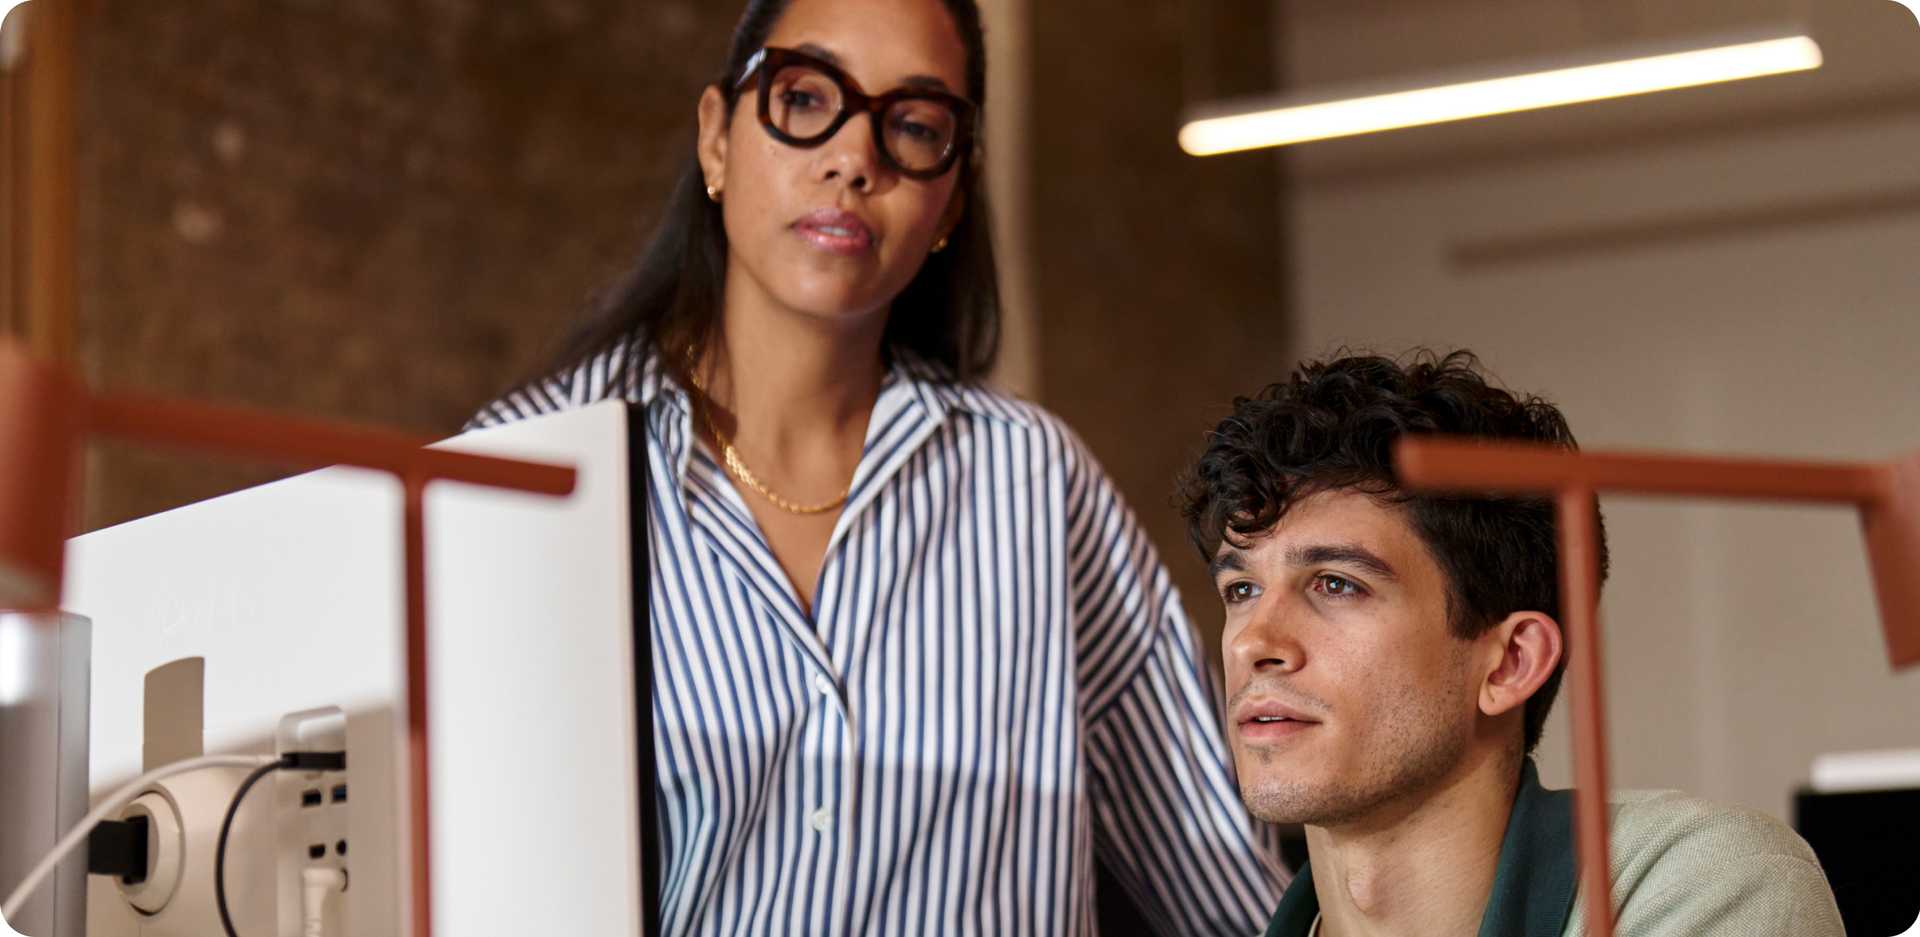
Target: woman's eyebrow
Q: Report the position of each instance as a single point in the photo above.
(824, 54)
(820, 52)
(925, 81)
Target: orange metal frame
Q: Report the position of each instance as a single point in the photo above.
(1887, 496)
(45, 417)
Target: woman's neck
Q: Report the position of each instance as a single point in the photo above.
(791, 390)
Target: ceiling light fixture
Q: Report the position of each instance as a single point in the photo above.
(1247, 125)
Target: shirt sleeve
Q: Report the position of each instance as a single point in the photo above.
(1169, 823)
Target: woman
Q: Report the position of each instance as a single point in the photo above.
(916, 667)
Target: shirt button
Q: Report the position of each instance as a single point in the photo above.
(822, 820)
(824, 685)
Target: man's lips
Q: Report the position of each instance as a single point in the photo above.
(835, 231)
(1259, 720)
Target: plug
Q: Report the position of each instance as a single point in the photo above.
(316, 883)
(159, 856)
(119, 848)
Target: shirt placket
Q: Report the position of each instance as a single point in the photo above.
(904, 417)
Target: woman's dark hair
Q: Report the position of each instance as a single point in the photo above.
(1333, 424)
(949, 314)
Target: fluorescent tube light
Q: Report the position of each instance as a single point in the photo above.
(1246, 126)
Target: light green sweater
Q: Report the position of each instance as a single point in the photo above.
(1682, 867)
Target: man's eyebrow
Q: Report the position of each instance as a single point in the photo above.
(1350, 553)
(1229, 559)
(932, 82)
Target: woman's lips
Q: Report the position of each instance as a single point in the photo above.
(837, 232)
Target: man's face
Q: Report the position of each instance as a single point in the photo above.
(1347, 690)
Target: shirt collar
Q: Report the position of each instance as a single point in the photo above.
(1299, 907)
(1533, 883)
(926, 382)
(654, 382)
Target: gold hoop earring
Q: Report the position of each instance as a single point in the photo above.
(713, 194)
(940, 245)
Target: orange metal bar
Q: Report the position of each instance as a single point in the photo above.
(39, 476)
(13, 217)
(311, 443)
(1887, 496)
(52, 283)
(1579, 591)
(1465, 465)
(1892, 528)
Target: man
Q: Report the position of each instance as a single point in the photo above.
(1391, 659)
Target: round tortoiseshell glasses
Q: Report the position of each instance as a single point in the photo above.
(805, 100)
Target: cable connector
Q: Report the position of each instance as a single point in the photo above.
(108, 806)
(119, 848)
(294, 761)
(315, 761)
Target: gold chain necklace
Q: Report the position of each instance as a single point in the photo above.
(738, 467)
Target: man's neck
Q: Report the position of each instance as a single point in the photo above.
(1419, 865)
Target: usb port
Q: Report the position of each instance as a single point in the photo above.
(310, 798)
(317, 851)
(339, 793)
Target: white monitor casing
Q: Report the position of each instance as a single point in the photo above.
(293, 594)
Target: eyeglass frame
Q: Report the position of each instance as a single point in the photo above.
(853, 100)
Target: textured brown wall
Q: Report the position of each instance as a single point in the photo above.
(374, 210)
(384, 211)
(1157, 275)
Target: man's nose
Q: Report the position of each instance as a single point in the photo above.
(1267, 643)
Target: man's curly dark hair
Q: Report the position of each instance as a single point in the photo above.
(1332, 425)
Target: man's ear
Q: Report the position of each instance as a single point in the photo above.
(711, 145)
(1529, 645)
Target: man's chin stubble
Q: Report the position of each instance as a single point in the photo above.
(1284, 802)
(1353, 797)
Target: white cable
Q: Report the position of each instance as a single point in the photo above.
(107, 807)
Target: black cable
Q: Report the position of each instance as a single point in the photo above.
(308, 761)
(226, 827)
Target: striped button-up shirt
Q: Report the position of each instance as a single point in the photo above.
(996, 688)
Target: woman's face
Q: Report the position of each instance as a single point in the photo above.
(831, 231)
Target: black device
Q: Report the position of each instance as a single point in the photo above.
(1868, 843)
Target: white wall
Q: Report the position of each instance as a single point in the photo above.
(1768, 303)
